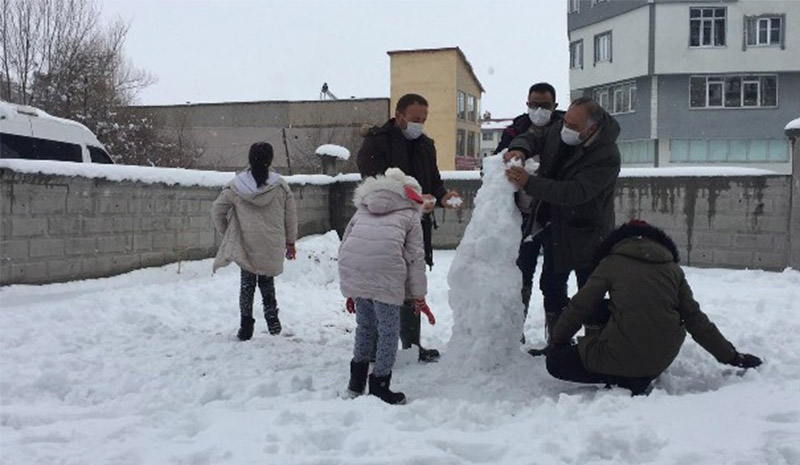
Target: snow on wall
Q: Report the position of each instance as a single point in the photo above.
(793, 124)
(333, 150)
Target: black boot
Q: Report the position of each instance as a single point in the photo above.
(526, 301)
(246, 328)
(273, 323)
(358, 378)
(379, 387)
(428, 355)
(550, 319)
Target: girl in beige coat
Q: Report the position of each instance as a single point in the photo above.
(256, 216)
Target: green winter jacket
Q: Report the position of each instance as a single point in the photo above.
(651, 308)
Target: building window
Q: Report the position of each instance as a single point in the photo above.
(733, 91)
(763, 30)
(637, 151)
(576, 54)
(574, 6)
(616, 99)
(602, 47)
(462, 105)
(471, 144)
(460, 142)
(471, 113)
(729, 150)
(487, 136)
(707, 27)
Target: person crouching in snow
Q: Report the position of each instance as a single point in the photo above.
(634, 337)
(256, 216)
(381, 264)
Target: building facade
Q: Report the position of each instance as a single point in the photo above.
(447, 81)
(491, 131)
(691, 82)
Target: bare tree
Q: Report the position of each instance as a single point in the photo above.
(57, 56)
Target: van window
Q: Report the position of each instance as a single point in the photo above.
(31, 148)
(99, 155)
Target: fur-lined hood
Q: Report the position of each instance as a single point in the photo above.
(641, 241)
(386, 193)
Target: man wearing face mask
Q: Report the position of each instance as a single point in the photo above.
(533, 127)
(401, 143)
(575, 191)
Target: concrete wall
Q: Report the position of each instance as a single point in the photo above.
(59, 228)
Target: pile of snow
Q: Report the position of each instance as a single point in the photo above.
(484, 279)
(145, 368)
(793, 124)
(336, 151)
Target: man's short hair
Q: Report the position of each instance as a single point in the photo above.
(595, 110)
(543, 87)
(408, 100)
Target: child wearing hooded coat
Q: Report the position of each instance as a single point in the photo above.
(381, 264)
(256, 216)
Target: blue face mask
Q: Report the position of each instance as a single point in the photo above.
(413, 130)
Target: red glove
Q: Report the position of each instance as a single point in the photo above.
(421, 307)
(350, 305)
(291, 252)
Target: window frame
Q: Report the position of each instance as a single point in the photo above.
(461, 143)
(725, 79)
(574, 6)
(713, 20)
(597, 39)
(578, 45)
(471, 108)
(461, 106)
(606, 97)
(756, 36)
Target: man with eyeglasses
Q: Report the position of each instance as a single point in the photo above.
(574, 188)
(533, 127)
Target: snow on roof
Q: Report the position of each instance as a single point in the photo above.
(793, 124)
(334, 151)
(491, 125)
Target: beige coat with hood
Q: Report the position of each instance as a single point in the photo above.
(256, 224)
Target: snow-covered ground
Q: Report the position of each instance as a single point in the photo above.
(144, 368)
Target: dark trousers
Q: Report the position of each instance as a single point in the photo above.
(554, 284)
(409, 325)
(247, 291)
(565, 363)
(528, 256)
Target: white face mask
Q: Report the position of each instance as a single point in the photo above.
(539, 116)
(413, 130)
(570, 136)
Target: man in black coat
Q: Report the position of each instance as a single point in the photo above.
(576, 193)
(400, 143)
(541, 119)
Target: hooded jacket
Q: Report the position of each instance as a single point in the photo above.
(382, 256)
(651, 308)
(256, 223)
(577, 185)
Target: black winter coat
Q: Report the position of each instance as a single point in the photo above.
(578, 185)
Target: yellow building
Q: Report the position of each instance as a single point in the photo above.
(446, 79)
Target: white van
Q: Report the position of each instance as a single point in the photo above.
(32, 134)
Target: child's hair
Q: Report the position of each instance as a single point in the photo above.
(260, 160)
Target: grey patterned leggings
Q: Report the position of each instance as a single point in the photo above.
(379, 318)
(247, 291)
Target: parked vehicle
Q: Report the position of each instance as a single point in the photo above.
(32, 134)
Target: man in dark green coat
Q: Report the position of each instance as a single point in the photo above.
(401, 143)
(574, 188)
(635, 336)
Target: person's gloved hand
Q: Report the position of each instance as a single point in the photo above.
(350, 305)
(291, 252)
(745, 361)
(420, 306)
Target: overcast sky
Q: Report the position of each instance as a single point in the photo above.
(213, 51)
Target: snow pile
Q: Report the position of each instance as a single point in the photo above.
(145, 368)
(484, 280)
(336, 151)
(793, 124)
